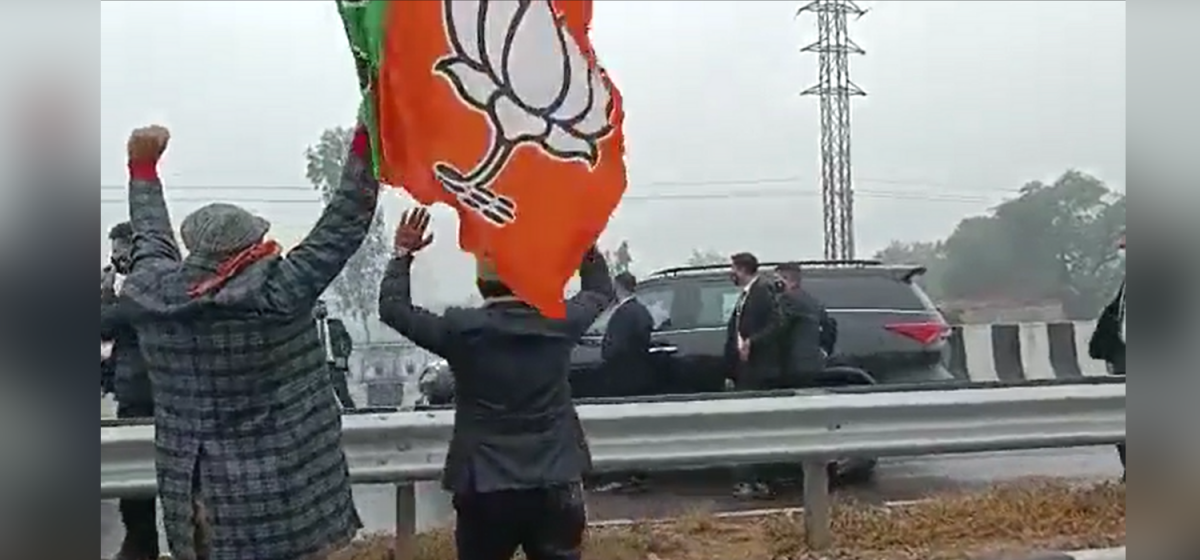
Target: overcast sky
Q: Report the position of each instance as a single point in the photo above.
(967, 101)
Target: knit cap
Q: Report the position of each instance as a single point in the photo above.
(221, 229)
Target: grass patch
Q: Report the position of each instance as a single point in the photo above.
(1008, 518)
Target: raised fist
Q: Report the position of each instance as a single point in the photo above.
(148, 144)
(108, 280)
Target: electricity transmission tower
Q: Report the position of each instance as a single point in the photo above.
(834, 47)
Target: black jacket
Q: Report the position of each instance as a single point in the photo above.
(130, 379)
(108, 374)
(757, 320)
(626, 349)
(340, 347)
(515, 426)
(1106, 343)
(340, 343)
(807, 336)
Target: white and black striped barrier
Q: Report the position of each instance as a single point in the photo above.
(1015, 353)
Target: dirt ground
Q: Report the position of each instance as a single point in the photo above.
(1031, 515)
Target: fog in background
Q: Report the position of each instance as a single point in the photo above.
(967, 101)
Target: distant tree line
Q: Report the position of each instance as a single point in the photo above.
(1052, 242)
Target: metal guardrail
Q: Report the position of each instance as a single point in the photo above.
(810, 429)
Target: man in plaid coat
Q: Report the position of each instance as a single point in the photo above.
(248, 431)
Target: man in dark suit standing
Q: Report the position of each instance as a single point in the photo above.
(751, 348)
(518, 454)
(808, 333)
(626, 345)
(1108, 340)
(750, 341)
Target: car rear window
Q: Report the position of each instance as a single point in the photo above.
(866, 292)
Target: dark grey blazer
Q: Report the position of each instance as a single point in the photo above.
(515, 425)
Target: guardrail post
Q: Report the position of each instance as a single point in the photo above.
(817, 508)
(406, 522)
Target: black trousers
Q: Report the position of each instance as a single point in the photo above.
(138, 515)
(1120, 446)
(762, 473)
(341, 386)
(545, 523)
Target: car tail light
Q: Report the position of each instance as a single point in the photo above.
(925, 333)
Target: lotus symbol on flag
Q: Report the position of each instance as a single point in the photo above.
(514, 62)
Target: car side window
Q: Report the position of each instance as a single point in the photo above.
(718, 301)
(689, 304)
(658, 303)
(729, 301)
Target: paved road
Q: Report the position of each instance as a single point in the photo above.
(896, 480)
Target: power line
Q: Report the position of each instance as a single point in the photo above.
(948, 193)
(664, 197)
(789, 179)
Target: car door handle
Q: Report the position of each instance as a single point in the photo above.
(664, 349)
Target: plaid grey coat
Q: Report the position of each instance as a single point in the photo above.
(246, 420)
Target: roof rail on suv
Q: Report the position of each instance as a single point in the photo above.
(826, 263)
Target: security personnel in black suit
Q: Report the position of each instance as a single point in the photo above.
(518, 454)
(808, 334)
(338, 347)
(1108, 340)
(752, 350)
(751, 341)
(625, 349)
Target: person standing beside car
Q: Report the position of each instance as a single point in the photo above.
(1108, 340)
(807, 335)
(750, 340)
(625, 348)
(751, 349)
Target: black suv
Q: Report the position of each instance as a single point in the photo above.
(887, 327)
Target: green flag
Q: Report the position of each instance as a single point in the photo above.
(363, 21)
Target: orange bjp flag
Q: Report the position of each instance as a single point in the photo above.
(499, 109)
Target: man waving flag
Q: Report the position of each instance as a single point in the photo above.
(500, 109)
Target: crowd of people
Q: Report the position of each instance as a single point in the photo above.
(229, 349)
(778, 336)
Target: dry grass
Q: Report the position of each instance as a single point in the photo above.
(1030, 515)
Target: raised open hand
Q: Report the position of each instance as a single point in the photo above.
(147, 144)
(412, 234)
